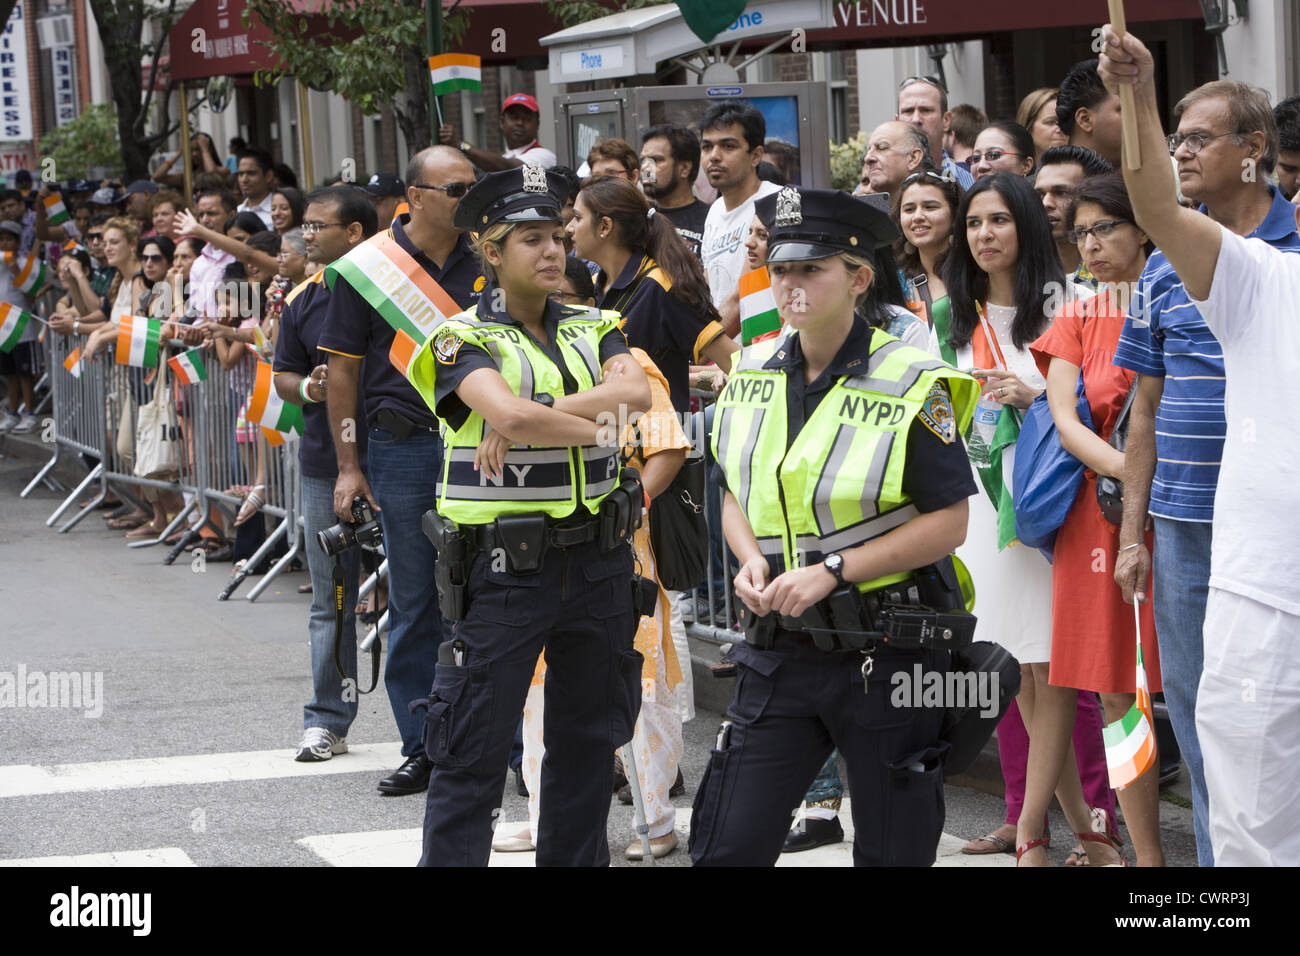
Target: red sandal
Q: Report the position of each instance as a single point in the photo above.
(1101, 834)
(1024, 848)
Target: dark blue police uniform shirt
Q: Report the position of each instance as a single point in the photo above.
(296, 351)
(935, 476)
(671, 333)
(354, 328)
(469, 358)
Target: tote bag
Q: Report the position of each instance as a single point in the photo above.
(1046, 477)
(157, 433)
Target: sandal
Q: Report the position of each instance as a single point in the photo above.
(304, 588)
(1100, 834)
(238, 567)
(130, 521)
(1078, 857)
(251, 506)
(997, 844)
(145, 531)
(1031, 845)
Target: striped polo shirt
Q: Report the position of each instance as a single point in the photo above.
(1165, 336)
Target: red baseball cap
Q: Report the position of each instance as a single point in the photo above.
(520, 99)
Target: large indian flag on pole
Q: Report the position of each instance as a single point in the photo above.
(279, 419)
(188, 367)
(13, 323)
(759, 318)
(138, 341)
(399, 289)
(1131, 740)
(31, 275)
(455, 71)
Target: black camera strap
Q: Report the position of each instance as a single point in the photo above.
(340, 590)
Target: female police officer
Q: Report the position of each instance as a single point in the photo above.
(525, 547)
(840, 452)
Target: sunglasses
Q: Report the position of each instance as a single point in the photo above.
(153, 257)
(992, 155)
(453, 190)
(926, 174)
(92, 236)
(920, 78)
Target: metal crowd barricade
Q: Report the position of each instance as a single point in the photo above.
(712, 615)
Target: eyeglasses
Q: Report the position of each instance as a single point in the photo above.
(1195, 142)
(921, 78)
(926, 174)
(311, 228)
(561, 296)
(1101, 230)
(153, 257)
(992, 155)
(453, 190)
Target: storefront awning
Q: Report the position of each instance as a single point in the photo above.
(898, 22)
(226, 47)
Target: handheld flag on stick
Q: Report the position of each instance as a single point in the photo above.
(1131, 740)
(138, 341)
(13, 323)
(450, 72)
(188, 367)
(279, 419)
(759, 318)
(73, 363)
(31, 275)
(1128, 109)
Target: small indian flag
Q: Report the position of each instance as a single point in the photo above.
(279, 419)
(455, 71)
(759, 318)
(31, 275)
(138, 339)
(403, 351)
(1131, 740)
(13, 323)
(188, 367)
(73, 363)
(55, 211)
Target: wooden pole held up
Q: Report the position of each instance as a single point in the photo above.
(1128, 109)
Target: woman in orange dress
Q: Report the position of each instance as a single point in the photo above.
(1093, 646)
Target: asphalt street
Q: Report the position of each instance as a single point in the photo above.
(189, 758)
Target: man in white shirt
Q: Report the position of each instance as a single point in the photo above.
(212, 207)
(519, 121)
(1248, 702)
(731, 147)
(255, 176)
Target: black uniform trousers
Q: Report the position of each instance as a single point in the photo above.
(794, 704)
(579, 608)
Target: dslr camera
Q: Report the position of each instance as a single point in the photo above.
(362, 530)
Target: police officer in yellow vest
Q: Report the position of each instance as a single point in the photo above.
(532, 528)
(846, 486)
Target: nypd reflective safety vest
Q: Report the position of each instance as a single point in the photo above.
(840, 483)
(554, 481)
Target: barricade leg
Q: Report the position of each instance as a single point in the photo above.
(167, 531)
(94, 475)
(272, 539)
(40, 475)
(295, 549)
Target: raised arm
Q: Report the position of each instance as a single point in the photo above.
(1189, 240)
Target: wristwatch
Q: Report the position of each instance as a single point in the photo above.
(834, 563)
(543, 398)
(466, 146)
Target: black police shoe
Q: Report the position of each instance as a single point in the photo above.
(411, 777)
(815, 833)
(521, 788)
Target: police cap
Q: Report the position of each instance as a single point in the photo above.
(526, 193)
(816, 223)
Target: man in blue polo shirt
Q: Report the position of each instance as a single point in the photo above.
(336, 219)
(404, 451)
(1226, 148)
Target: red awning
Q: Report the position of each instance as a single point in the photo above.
(520, 24)
(226, 47)
(888, 22)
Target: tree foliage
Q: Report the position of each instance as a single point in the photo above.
(85, 144)
(846, 162)
(372, 54)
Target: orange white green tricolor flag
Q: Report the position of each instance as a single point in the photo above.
(759, 318)
(138, 341)
(58, 215)
(279, 419)
(455, 71)
(13, 323)
(1131, 740)
(188, 367)
(31, 275)
(73, 363)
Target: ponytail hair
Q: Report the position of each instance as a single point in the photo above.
(638, 225)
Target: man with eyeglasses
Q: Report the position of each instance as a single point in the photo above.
(923, 102)
(1226, 148)
(335, 221)
(404, 449)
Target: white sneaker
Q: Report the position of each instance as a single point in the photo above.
(319, 744)
(25, 424)
(8, 422)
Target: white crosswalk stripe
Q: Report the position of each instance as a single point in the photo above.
(165, 856)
